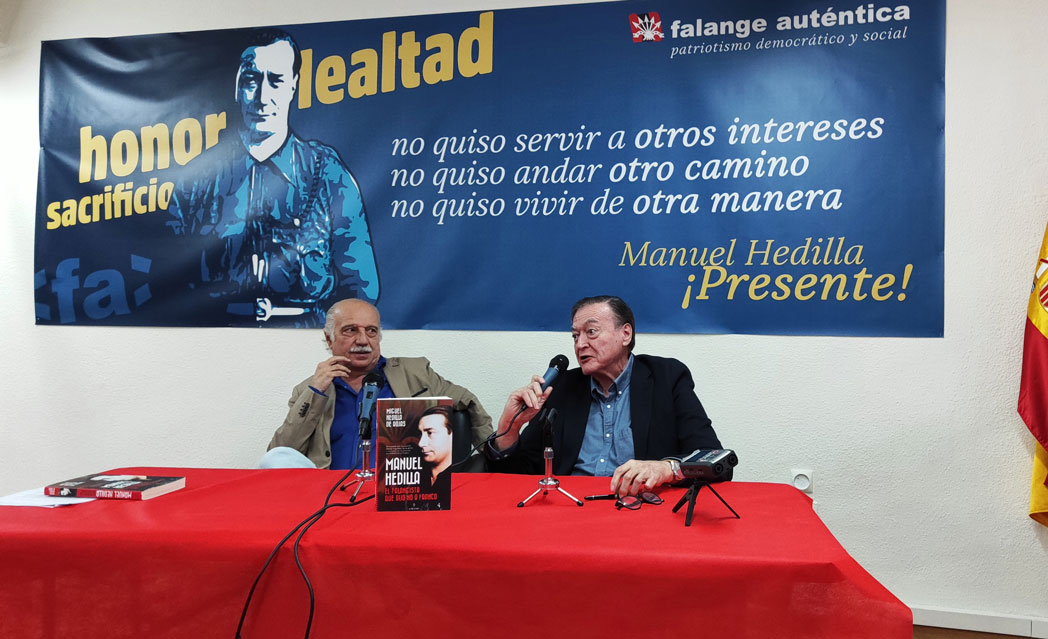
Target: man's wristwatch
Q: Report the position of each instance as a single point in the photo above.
(675, 467)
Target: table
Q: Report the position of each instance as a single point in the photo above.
(180, 565)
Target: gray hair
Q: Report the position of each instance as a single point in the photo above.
(329, 325)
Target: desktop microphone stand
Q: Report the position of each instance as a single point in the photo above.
(549, 482)
(693, 493)
(365, 473)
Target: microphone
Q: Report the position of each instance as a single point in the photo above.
(557, 365)
(366, 403)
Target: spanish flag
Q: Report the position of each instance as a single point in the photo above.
(1033, 387)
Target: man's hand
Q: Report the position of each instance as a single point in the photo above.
(328, 370)
(530, 399)
(635, 476)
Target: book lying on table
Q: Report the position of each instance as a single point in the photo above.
(116, 486)
(414, 453)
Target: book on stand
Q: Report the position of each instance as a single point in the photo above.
(101, 486)
(414, 453)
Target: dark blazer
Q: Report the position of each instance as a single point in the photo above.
(666, 417)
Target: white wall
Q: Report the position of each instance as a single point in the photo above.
(921, 463)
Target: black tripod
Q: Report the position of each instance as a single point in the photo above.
(692, 495)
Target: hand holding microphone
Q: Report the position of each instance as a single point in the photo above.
(524, 403)
(530, 399)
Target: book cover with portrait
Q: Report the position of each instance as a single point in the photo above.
(413, 460)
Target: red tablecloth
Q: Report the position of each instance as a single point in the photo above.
(180, 565)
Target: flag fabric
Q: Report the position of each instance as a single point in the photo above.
(1038, 488)
(1033, 387)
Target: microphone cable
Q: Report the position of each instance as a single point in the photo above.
(298, 559)
(304, 525)
(490, 438)
(557, 365)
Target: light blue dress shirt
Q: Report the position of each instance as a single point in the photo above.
(608, 442)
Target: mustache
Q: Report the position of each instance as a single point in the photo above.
(360, 349)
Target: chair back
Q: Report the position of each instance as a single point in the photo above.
(462, 445)
(461, 435)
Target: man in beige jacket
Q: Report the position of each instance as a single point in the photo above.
(321, 425)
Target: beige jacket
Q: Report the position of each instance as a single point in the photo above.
(307, 427)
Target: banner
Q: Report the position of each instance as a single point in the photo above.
(751, 167)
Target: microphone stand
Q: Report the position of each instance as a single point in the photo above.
(549, 482)
(365, 473)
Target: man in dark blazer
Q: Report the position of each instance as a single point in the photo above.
(628, 416)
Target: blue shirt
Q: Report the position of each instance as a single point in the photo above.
(345, 427)
(608, 442)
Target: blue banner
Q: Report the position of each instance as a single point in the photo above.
(746, 167)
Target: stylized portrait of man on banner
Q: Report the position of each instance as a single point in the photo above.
(279, 227)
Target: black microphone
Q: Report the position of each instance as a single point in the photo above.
(366, 403)
(557, 365)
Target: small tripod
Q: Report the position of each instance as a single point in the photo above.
(692, 495)
(549, 482)
(365, 473)
(545, 420)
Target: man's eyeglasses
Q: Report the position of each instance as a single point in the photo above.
(629, 502)
(633, 502)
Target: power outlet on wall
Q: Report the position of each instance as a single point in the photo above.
(802, 480)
